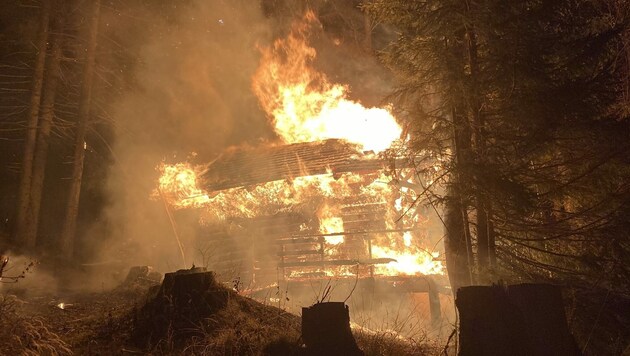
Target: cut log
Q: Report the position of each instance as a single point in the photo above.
(326, 330)
(524, 319)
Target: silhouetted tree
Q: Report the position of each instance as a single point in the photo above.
(69, 227)
(523, 98)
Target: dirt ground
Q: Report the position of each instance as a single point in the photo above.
(102, 323)
(85, 324)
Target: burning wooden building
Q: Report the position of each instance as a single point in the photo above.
(290, 214)
(320, 204)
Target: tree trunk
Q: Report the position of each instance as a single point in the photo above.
(457, 241)
(483, 242)
(523, 319)
(53, 73)
(326, 330)
(455, 246)
(72, 210)
(31, 121)
(482, 205)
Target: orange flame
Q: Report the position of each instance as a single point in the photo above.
(178, 185)
(330, 223)
(305, 107)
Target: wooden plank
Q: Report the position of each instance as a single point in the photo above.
(337, 262)
(265, 164)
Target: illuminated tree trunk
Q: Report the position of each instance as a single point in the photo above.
(32, 121)
(484, 231)
(457, 242)
(53, 73)
(456, 248)
(72, 210)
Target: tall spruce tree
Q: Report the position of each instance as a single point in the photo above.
(526, 96)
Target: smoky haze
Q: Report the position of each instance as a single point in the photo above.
(193, 95)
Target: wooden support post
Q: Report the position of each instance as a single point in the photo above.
(434, 303)
(369, 241)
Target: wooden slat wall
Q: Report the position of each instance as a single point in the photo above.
(272, 247)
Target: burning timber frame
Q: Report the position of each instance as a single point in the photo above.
(239, 168)
(286, 247)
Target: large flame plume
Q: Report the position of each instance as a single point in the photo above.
(305, 107)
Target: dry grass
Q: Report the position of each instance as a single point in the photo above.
(221, 323)
(105, 323)
(246, 328)
(22, 335)
(384, 343)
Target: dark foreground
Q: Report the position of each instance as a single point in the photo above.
(116, 323)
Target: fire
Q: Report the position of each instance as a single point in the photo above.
(305, 107)
(418, 262)
(178, 185)
(407, 239)
(410, 259)
(329, 223)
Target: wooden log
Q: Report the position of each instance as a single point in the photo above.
(326, 330)
(526, 319)
(336, 262)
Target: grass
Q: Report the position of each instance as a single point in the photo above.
(105, 323)
(22, 335)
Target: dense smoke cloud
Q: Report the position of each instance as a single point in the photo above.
(193, 95)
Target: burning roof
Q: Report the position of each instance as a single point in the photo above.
(321, 203)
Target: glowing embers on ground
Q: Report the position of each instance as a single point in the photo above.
(305, 107)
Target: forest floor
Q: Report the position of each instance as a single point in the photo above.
(38, 321)
(83, 324)
(106, 322)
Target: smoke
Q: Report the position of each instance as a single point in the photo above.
(192, 95)
(23, 276)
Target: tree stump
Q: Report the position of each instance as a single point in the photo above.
(193, 291)
(326, 330)
(524, 319)
(181, 303)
